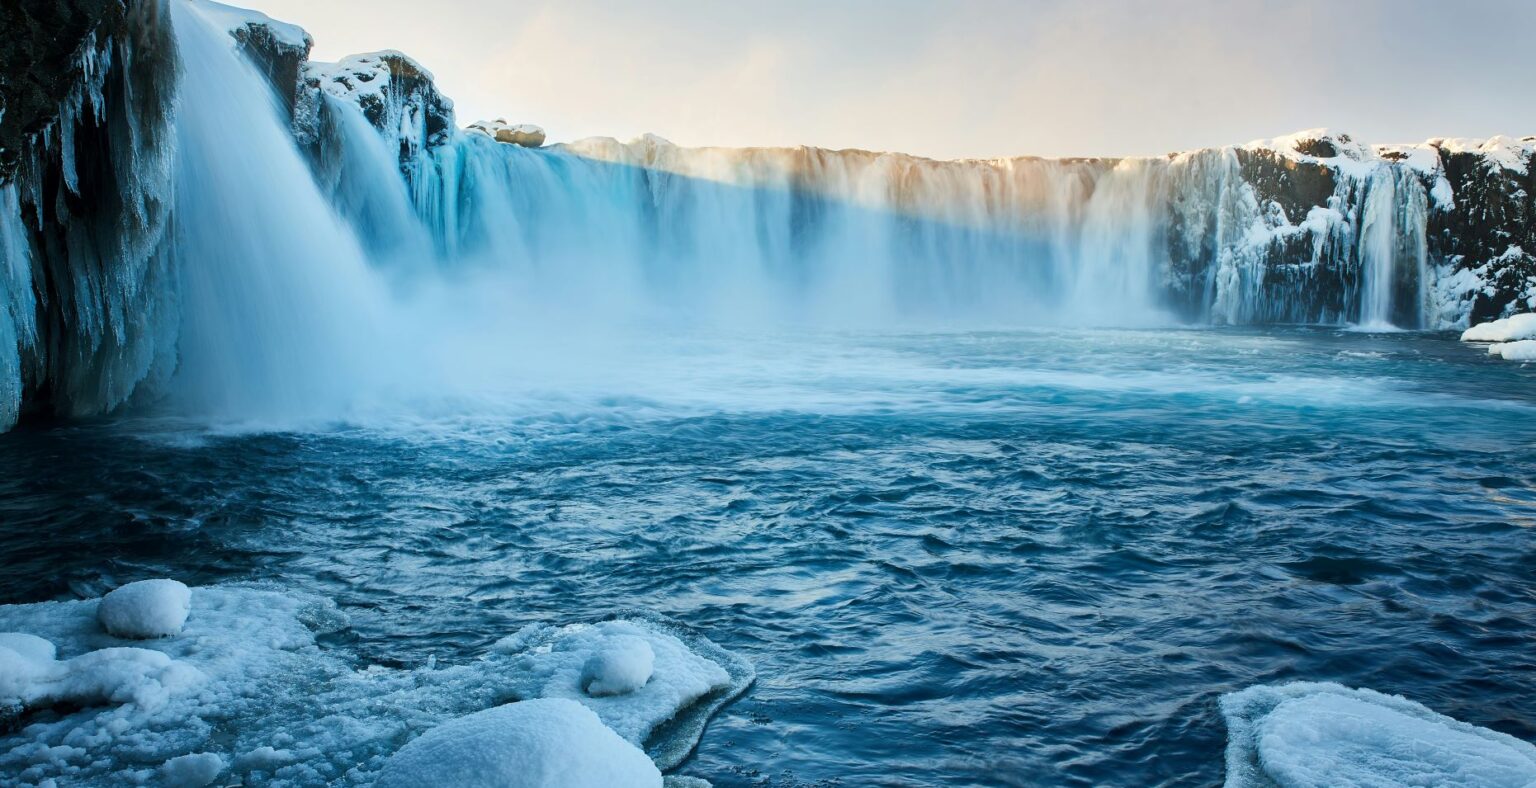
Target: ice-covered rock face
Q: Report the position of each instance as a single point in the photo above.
(396, 94)
(146, 609)
(1314, 735)
(622, 664)
(549, 743)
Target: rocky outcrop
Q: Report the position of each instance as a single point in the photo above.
(526, 135)
(86, 203)
(396, 94)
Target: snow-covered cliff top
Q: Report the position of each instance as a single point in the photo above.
(232, 19)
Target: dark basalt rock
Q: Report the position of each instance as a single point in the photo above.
(40, 60)
(93, 182)
(278, 59)
(1493, 225)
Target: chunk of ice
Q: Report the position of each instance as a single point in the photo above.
(1317, 734)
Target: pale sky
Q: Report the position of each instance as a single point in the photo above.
(955, 79)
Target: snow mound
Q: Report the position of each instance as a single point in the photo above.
(1324, 735)
(145, 609)
(547, 743)
(29, 647)
(691, 678)
(621, 665)
(1507, 329)
(246, 682)
(1523, 350)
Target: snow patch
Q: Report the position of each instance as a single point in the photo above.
(547, 743)
(1319, 734)
(1508, 153)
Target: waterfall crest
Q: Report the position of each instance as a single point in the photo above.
(256, 253)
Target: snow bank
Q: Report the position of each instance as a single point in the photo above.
(145, 609)
(245, 687)
(549, 743)
(1507, 329)
(1523, 350)
(1317, 734)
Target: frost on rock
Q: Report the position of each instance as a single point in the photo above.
(691, 680)
(246, 682)
(396, 94)
(145, 609)
(545, 743)
(1317, 734)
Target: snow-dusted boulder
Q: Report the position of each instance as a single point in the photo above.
(1306, 735)
(548, 743)
(145, 609)
(621, 665)
(524, 134)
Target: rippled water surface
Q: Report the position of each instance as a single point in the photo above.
(1007, 558)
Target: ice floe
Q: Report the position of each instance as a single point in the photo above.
(1327, 735)
(246, 693)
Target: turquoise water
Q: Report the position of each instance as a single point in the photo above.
(989, 558)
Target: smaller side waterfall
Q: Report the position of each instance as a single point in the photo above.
(1393, 251)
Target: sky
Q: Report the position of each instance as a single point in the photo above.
(966, 78)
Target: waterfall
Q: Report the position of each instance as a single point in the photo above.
(281, 315)
(1393, 251)
(250, 273)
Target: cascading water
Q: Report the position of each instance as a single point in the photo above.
(280, 314)
(389, 235)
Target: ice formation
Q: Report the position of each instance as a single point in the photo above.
(145, 609)
(1306, 735)
(245, 693)
(546, 743)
